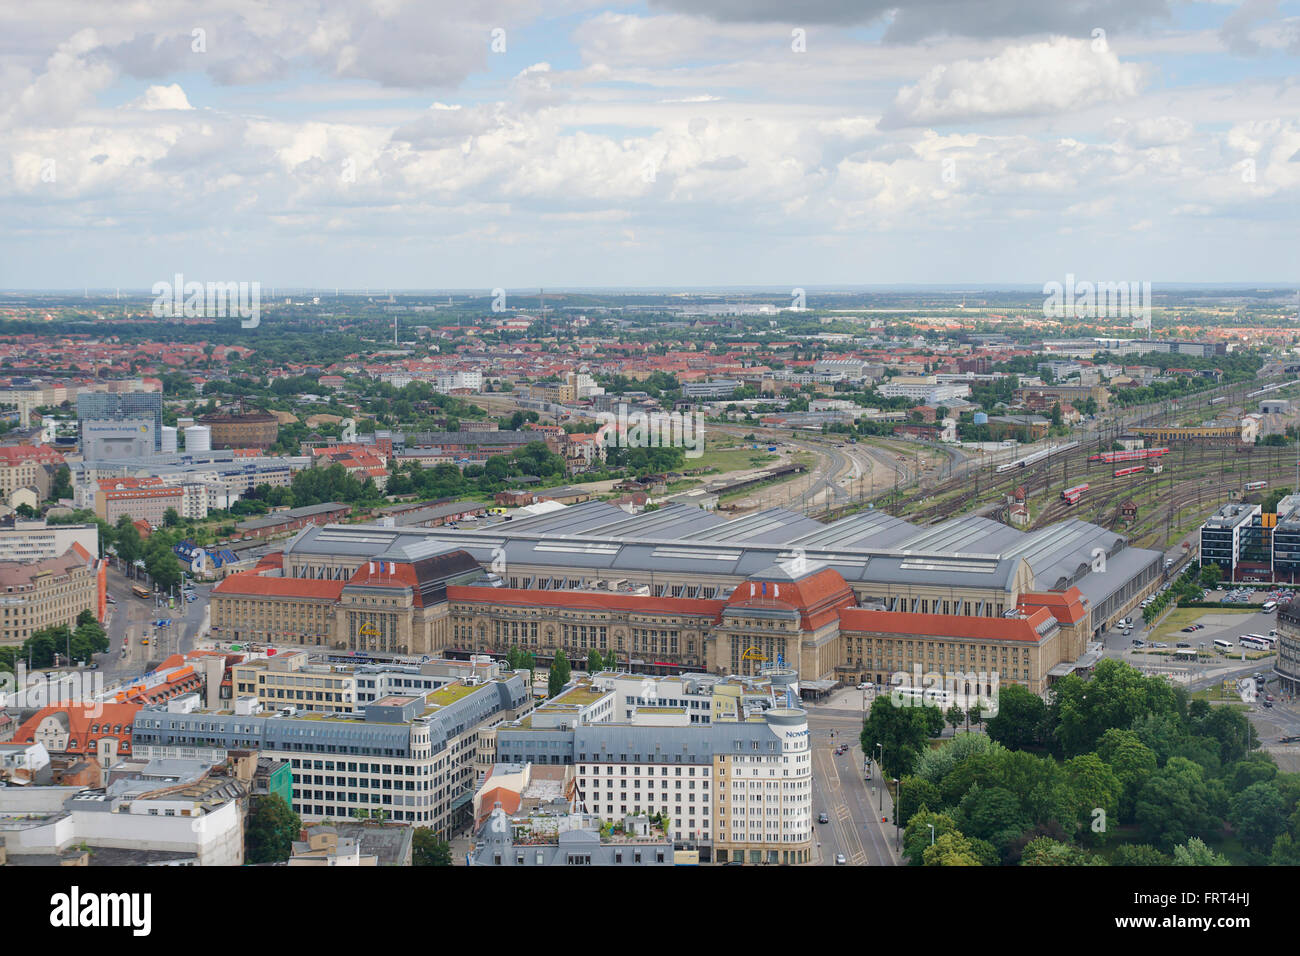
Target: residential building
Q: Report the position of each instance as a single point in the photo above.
(49, 593)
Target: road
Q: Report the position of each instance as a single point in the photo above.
(131, 618)
(840, 791)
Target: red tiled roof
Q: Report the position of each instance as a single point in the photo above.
(84, 729)
(945, 625)
(1068, 607)
(818, 597)
(252, 583)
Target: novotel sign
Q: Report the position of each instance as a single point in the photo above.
(796, 733)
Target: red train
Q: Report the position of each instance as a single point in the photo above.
(1072, 495)
(1121, 472)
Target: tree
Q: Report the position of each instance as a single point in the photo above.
(916, 795)
(1173, 804)
(61, 486)
(950, 849)
(993, 814)
(1020, 720)
(559, 674)
(1195, 852)
(1056, 415)
(272, 828)
(595, 662)
(1045, 851)
(1132, 761)
(1096, 787)
(1138, 854)
(428, 850)
(164, 569)
(1258, 815)
(1115, 696)
(902, 730)
(955, 717)
(1211, 575)
(916, 836)
(171, 518)
(128, 544)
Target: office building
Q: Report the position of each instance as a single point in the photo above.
(120, 407)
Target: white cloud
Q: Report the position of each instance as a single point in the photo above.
(170, 97)
(1054, 76)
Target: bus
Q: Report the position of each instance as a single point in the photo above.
(1268, 607)
(1121, 472)
(1253, 643)
(1266, 640)
(1072, 495)
(1222, 644)
(141, 592)
(1255, 485)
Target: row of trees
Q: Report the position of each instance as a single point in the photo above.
(62, 643)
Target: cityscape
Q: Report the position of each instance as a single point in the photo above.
(646, 435)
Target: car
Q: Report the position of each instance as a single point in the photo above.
(1268, 703)
(863, 686)
(1159, 644)
(1138, 642)
(1269, 697)
(1182, 644)
(1128, 621)
(1189, 629)
(823, 818)
(839, 859)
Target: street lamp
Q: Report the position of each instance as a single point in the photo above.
(880, 762)
(898, 803)
(931, 826)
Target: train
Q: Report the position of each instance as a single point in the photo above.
(1035, 457)
(1072, 495)
(1135, 454)
(1255, 485)
(1121, 472)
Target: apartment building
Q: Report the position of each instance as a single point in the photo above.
(146, 499)
(28, 466)
(49, 593)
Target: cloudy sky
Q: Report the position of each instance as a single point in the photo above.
(516, 143)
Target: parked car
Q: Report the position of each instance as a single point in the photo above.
(1182, 644)
(823, 818)
(839, 859)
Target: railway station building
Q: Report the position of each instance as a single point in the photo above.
(682, 590)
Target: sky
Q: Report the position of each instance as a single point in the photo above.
(521, 143)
